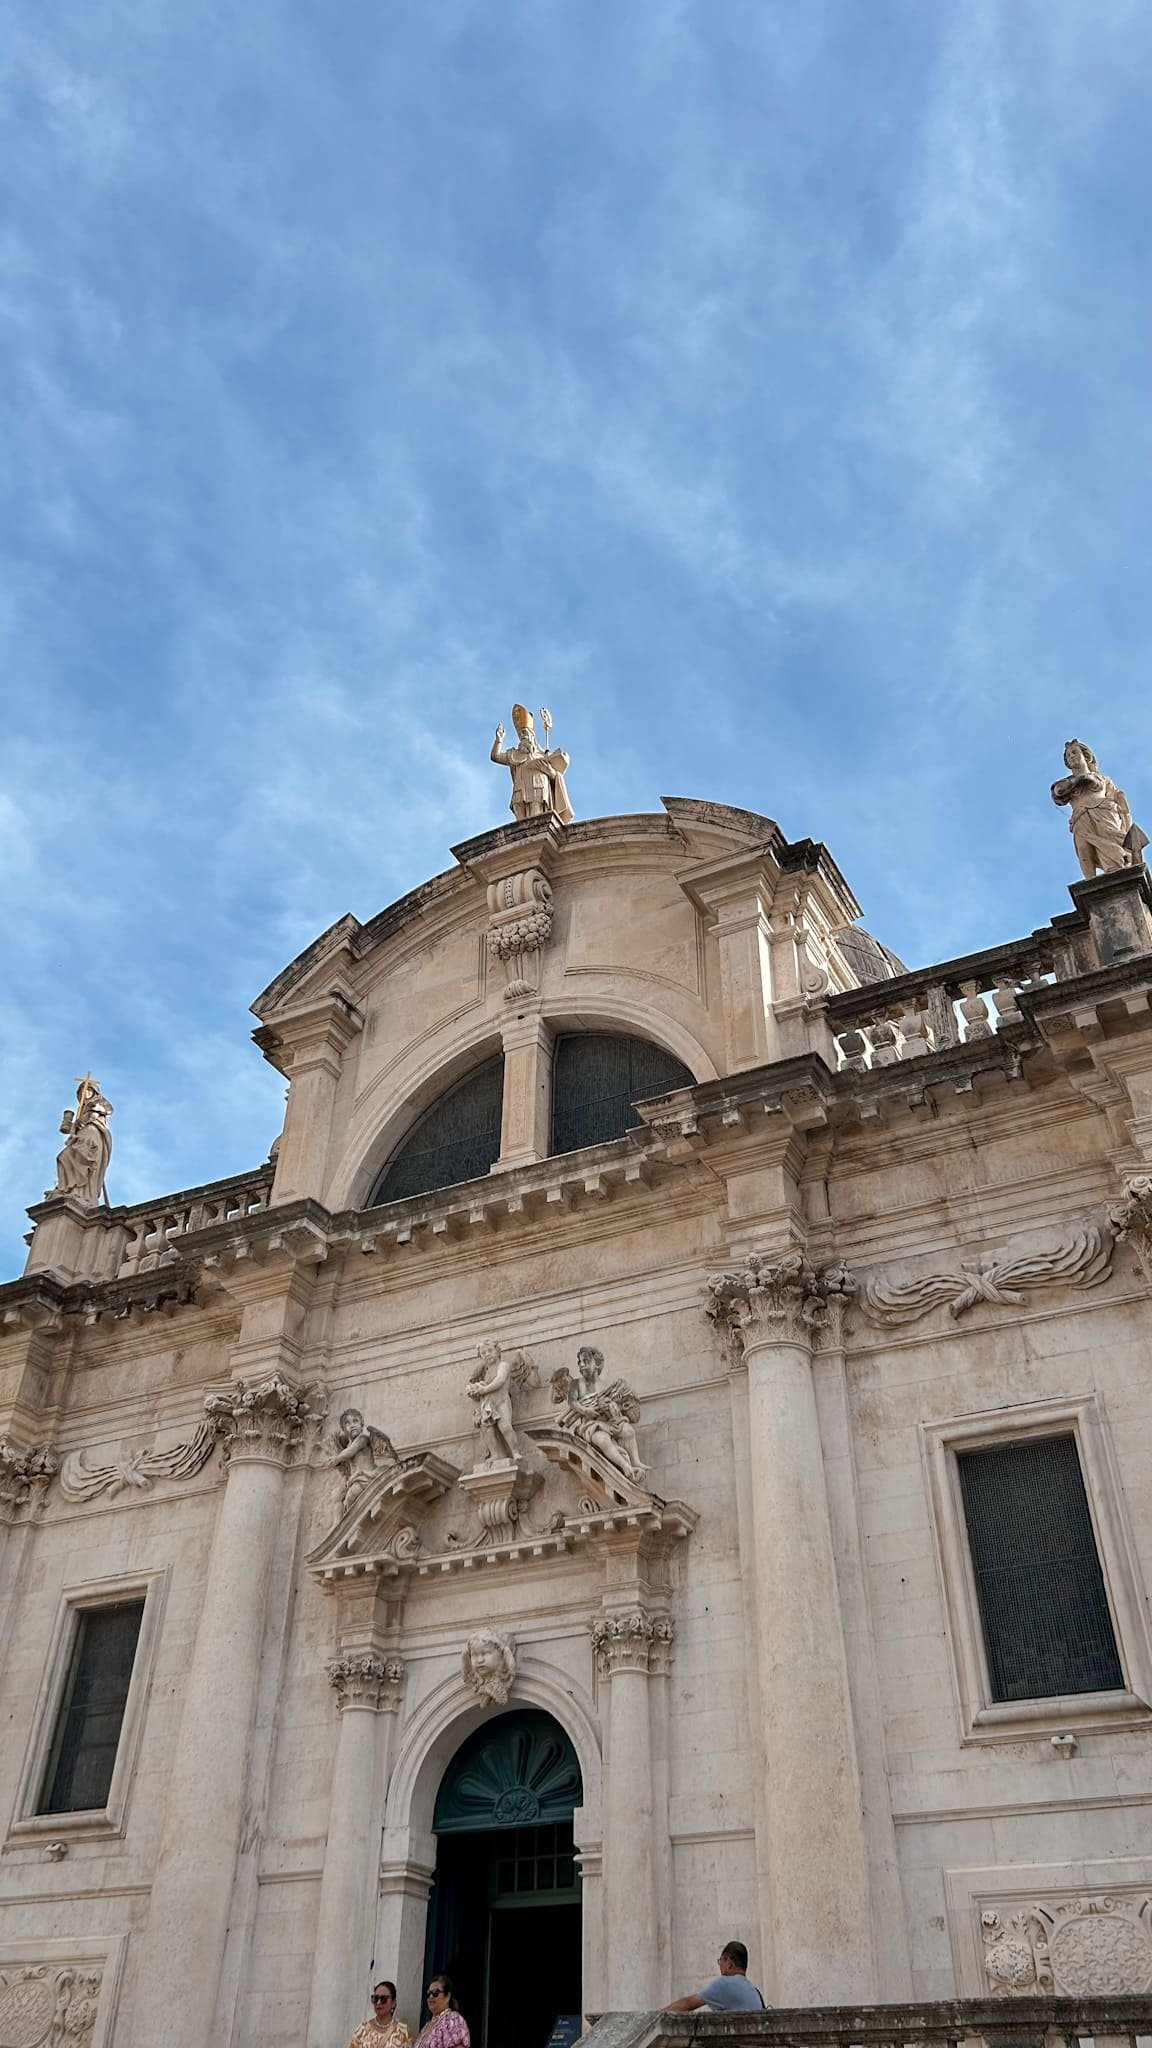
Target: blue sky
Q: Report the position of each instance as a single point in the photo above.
(762, 384)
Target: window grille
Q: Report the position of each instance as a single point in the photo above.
(537, 1860)
(597, 1080)
(1043, 1604)
(91, 1711)
(457, 1139)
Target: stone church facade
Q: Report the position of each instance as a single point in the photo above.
(660, 1453)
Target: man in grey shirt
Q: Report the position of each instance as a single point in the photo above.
(729, 1992)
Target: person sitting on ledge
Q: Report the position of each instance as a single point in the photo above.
(729, 1992)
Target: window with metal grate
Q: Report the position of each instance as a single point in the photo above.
(457, 1139)
(90, 1716)
(1043, 1603)
(597, 1080)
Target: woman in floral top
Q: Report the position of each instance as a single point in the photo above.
(383, 2030)
(447, 2027)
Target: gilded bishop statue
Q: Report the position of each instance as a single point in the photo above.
(538, 789)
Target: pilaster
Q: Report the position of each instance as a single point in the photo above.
(525, 1127)
(630, 1644)
(309, 1042)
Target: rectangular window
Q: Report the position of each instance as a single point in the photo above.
(86, 1736)
(1039, 1587)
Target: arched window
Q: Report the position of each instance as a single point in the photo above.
(457, 1139)
(598, 1079)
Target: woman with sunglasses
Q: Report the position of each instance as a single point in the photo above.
(383, 2030)
(447, 2027)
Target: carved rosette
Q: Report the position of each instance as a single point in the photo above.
(1131, 1221)
(1094, 1946)
(266, 1419)
(633, 1641)
(521, 913)
(39, 2004)
(25, 1476)
(365, 1678)
(784, 1300)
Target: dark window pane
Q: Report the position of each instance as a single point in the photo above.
(457, 1139)
(91, 1711)
(597, 1081)
(1047, 1627)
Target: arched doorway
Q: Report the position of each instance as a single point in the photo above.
(504, 1915)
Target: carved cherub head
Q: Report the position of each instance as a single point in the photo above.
(488, 1665)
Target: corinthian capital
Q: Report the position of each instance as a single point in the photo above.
(25, 1476)
(364, 1678)
(1131, 1220)
(786, 1298)
(266, 1419)
(632, 1641)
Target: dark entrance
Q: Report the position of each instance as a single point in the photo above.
(504, 1915)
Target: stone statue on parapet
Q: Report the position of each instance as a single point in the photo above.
(1103, 833)
(82, 1166)
(603, 1417)
(357, 1449)
(490, 1387)
(538, 789)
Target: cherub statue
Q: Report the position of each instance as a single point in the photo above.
(358, 1449)
(538, 789)
(603, 1417)
(488, 1665)
(1103, 833)
(490, 1387)
(82, 1166)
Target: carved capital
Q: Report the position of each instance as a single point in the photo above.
(633, 1641)
(266, 1419)
(784, 1300)
(365, 1678)
(1131, 1220)
(25, 1476)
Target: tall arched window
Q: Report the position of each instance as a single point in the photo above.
(597, 1080)
(457, 1139)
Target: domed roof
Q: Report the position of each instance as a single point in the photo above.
(869, 960)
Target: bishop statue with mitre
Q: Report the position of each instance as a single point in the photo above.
(537, 775)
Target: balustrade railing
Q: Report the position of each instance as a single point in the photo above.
(942, 1006)
(156, 1228)
(1101, 2022)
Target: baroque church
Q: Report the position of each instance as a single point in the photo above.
(659, 1453)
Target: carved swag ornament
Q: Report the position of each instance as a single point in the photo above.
(1081, 1256)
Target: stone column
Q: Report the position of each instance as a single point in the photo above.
(816, 1854)
(623, 1642)
(182, 1947)
(525, 1131)
(367, 1684)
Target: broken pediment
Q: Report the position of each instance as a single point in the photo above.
(423, 1517)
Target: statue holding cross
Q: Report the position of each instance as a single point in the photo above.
(82, 1166)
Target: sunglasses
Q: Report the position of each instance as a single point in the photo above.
(383, 1998)
(435, 1994)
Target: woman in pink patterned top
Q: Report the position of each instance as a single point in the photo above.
(447, 2027)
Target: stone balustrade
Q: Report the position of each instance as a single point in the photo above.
(156, 1228)
(1108, 2022)
(944, 1006)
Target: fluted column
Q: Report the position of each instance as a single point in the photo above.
(816, 1854)
(628, 1644)
(367, 1685)
(264, 1425)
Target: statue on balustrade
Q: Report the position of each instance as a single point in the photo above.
(82, 1166)
(357, 1449)
(1101, 824)
(603, 1417)
(538, 789)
